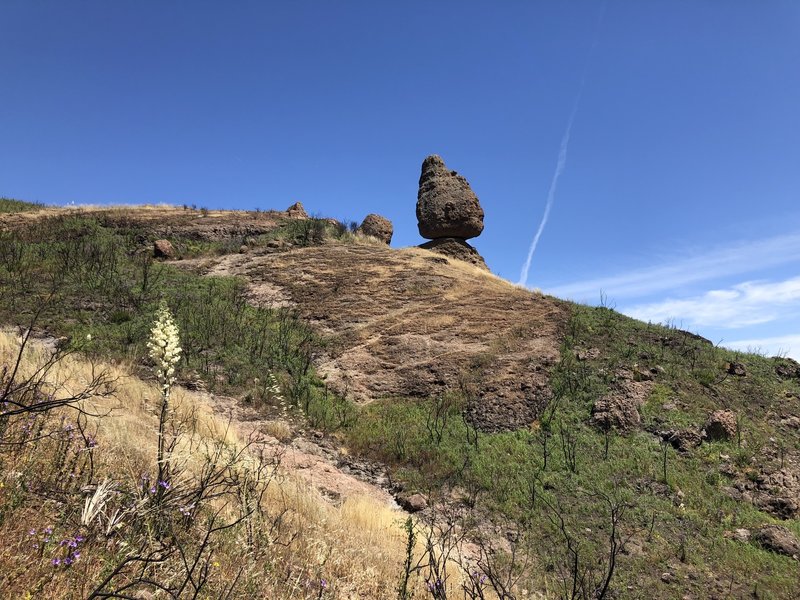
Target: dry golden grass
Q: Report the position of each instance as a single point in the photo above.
(356, 547)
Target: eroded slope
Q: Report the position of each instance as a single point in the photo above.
(413, 324)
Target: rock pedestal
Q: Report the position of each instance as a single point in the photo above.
(455, 248)
(448, 212)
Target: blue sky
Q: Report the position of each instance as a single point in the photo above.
(678, 196)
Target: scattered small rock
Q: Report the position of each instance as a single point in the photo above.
(721, 425)
(163, 249)
(243, 249)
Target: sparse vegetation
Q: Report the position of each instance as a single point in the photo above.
(82, 513)
(567, 506)
(8, 205)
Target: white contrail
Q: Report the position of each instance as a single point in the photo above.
(562, 156)
(551, 194)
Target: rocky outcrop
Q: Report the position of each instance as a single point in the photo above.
(163, 249)
(619, 408)
(378, 227)
(456, 248)
(448, 212)
(683, 440)
(297, 211)
(778, 539)
(721, 425)
(788, 369)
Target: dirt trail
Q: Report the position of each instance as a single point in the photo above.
(315, 459)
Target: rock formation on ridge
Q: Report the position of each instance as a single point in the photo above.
(448, 212)
(297, 211)
(378, 227)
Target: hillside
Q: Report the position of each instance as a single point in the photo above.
(549, 449)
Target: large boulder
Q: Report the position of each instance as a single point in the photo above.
(378, 227)
(446, 205)
(456, 248)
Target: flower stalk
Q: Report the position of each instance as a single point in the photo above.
(164, 348)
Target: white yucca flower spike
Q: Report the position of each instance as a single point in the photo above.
(164, 347)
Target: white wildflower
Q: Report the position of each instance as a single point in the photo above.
(164, 347)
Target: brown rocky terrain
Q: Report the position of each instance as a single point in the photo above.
(404, 323)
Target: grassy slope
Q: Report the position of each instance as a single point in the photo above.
(7, 205)
(675, 526)
(356, 547)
